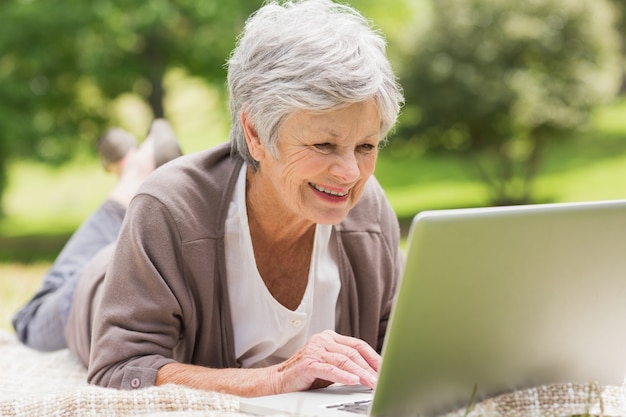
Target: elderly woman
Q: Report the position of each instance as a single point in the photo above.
(268, 264)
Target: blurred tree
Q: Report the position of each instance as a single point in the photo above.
(131, 44)
(620, 12)
(60, 66)
(495, 81)
(37, 88)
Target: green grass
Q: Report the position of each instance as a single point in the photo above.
(590, 165)
(18, 282)
(48, 200)
(416, 183)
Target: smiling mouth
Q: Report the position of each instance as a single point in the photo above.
(327, 191)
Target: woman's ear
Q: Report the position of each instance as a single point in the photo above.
(255, 145)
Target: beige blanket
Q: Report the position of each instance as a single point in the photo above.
(53, 384)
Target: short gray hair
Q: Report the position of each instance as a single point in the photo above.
(312, 55)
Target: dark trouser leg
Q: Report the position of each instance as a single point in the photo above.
(41, 322)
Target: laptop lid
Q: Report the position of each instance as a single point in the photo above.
(498, 299)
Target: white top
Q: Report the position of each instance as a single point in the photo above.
(265, 331)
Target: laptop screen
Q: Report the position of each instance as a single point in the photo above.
(498, 299)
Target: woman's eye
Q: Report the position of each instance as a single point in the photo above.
(323, 146)
(367, 147)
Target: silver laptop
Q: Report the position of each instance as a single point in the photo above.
(493, 300)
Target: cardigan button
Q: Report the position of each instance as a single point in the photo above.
(135, 383)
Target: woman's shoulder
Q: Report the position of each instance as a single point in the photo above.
(204, 173)
(195, 189)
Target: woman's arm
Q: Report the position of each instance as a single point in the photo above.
(326, 358)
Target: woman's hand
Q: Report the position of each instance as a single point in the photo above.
(327, 358)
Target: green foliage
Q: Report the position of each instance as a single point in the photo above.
(619, 7)
(62, 65)
(131, 44)
(38, 81)
(496, 80)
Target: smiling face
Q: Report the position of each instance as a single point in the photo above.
(322, 164)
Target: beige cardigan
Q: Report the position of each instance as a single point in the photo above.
(165, 299)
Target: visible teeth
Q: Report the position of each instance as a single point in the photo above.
(327, 191)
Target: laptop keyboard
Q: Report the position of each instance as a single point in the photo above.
(358, 407)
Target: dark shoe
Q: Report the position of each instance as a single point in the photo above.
(166, 146)
(114, 145)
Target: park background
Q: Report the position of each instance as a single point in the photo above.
(507, 102)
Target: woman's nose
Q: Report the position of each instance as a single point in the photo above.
(346, 167)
